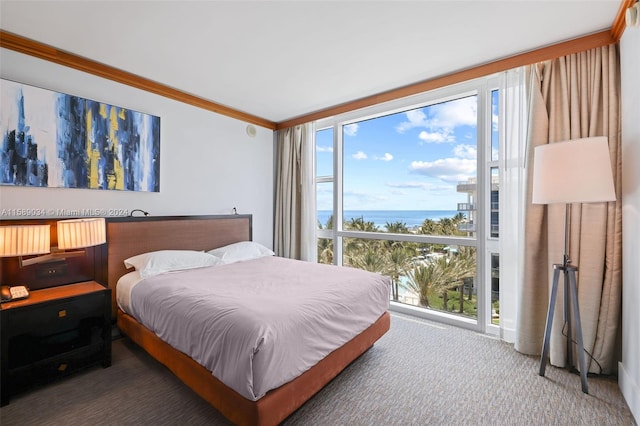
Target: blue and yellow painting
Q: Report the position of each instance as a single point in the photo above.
(52, 139)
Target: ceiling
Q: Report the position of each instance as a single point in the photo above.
(281, 59)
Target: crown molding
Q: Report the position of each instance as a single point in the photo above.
(581, 44)
(619, 23)
(40, 50)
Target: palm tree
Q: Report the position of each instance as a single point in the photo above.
(369, 260)
(357, 246)
(359, 224)
(398, 261)
(429, 227)
(448, 226)
(459, 217)
(424, 280)
(456, 267)
(328, 225)
(398, 227)
(465, 267)
(441, 275)
(325, 245)
(325, 250)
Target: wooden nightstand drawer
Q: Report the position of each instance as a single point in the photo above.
(55, 317)
(52, 333)
(53, 367)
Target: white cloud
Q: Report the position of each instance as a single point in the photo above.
(324, 148)
(350, 129)
(446, 169)
(410, 185)
(465, 151)
(425, 186)
(359, 200)
(460, 112)
(360, 155)
(398, 192)
(444, 136)
(385, 157)
(416, 117)
(440, 120)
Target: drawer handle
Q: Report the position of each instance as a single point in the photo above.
(62, 313)
(62, 367)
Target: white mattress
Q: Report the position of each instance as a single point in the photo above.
(257, 324)
(123, 289)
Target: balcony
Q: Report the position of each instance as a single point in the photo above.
(467, 227)
(466, 207)
(468, 187)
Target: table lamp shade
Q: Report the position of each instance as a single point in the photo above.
(80, 233)
(24, 240)
(575, 171)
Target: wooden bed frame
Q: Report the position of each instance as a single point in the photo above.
(130, 236)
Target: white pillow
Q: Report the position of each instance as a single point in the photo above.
(244, 250)
(158, 262)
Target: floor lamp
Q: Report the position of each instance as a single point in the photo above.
(575, 171)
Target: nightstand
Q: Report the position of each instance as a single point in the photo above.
(53, 333)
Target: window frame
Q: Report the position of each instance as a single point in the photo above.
(484, 244)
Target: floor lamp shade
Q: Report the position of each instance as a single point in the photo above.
(575, 171)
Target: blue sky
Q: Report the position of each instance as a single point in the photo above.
(405, 161)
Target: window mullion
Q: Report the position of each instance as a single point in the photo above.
(337, 193)
(484, 146)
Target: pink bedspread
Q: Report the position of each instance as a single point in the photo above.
(260, 323)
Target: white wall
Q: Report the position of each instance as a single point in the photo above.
(629, 368)
(208, 163)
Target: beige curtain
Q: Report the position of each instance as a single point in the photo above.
(294, 235)
(573, 97)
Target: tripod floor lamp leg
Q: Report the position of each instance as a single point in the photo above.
(547, 331)
(576, 316)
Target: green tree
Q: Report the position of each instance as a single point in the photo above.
(429, 227)
(424, 280)
(357, 247)
(465, 267)
(369, 260)
(359, 224)
(328, 225)
(441, 275)
(398, 262)
(398, 227)
(459, 217)
(325, 250)
(457, 266)
(325, 245)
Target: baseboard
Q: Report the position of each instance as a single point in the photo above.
(508, 335)
(630, 390)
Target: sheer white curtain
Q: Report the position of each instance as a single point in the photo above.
(515, 114)
(295, 210)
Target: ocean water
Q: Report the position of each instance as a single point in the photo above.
(411, 218)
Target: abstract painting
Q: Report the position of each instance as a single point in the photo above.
(51, 139)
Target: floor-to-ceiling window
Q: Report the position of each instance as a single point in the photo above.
(410, 189)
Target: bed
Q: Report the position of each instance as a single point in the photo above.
(262, 404)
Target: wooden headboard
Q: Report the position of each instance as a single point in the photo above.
(129, 236)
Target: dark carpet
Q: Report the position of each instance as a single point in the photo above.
(419, 373)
